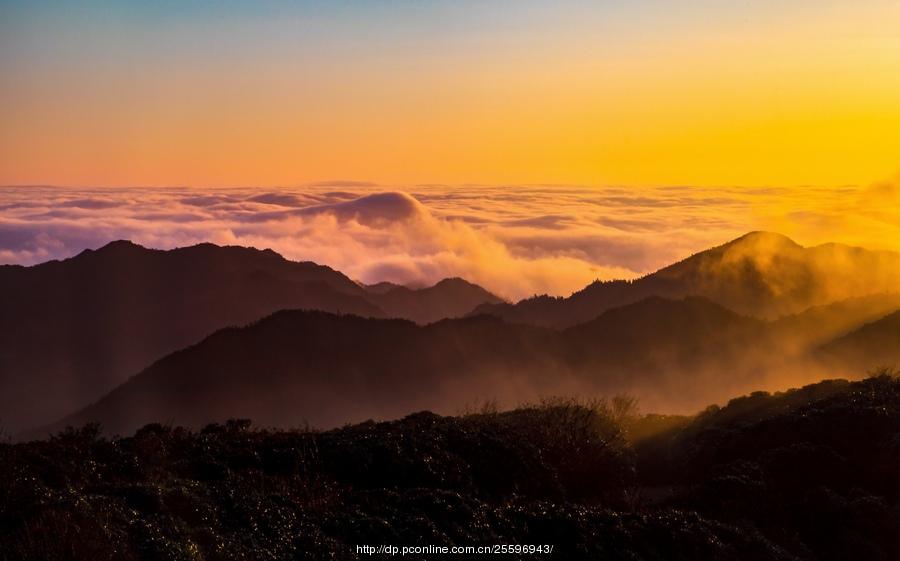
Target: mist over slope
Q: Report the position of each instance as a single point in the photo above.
(699, 331)
(295, 367)
(875, 345)
(760, 274)
(71, 330)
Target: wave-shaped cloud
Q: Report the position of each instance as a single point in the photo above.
(516, 241)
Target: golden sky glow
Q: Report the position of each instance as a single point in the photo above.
(658, 93)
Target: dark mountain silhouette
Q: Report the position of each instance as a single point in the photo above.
(801, 474)
(760, 274)
(381, 287)
(296, 367)
(71, 330)
(873, 346)
(449, 298)
(75, 329)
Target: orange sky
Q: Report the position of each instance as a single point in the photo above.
(656, 93)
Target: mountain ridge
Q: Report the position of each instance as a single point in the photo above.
(299, 366)
(73, 329)
(760, 274)
(655, 324)
(872, 347)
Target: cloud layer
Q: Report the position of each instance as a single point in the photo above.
(514, 240)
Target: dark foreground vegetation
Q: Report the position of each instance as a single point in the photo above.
(812, 473)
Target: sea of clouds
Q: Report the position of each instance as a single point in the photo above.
(514, 240)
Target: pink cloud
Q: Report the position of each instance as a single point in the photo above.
(516, 241)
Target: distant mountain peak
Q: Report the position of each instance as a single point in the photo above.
(453, 280)
(116, 246)
(757, 236)
(120, 243)
(761, 274)
(456, 282)
(115, 249)
(380, 287)
(758, 244)
(450, 297)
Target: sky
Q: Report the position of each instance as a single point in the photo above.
(528, 146)
(639, 93)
